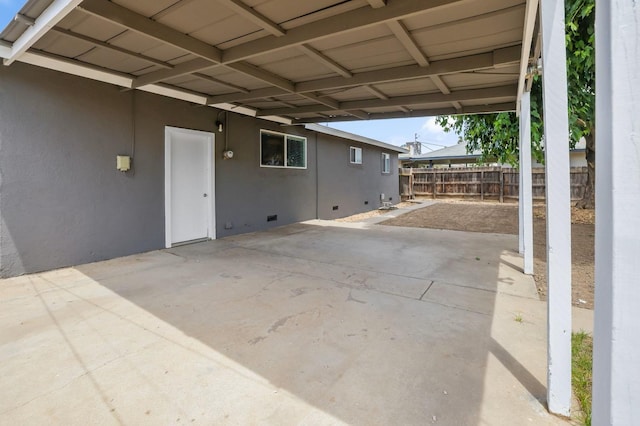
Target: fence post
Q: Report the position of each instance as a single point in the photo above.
(482, 185)
(501, 185)
(433, 193)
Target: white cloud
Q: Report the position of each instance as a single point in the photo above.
(433, 132)
(431, 126)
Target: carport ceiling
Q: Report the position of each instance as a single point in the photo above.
(307, 61)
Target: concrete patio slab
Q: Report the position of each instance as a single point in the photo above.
(313, 323)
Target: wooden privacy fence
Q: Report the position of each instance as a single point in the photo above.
(498, 183)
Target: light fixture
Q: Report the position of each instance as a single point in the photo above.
(219, 124)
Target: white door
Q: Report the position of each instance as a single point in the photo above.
(188, 185)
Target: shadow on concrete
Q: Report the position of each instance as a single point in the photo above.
(314, 323)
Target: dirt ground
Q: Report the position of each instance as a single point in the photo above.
(503, 219)
(372, 213)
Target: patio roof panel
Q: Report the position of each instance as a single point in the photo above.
(302, 57)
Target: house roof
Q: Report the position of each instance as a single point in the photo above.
(353, 137)
(459, 152)
(291, 61)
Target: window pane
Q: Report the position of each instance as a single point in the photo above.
(355, 155)
(272, 149)
(386, 163)
(296, 152)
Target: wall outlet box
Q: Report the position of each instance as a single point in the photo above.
(123, 162)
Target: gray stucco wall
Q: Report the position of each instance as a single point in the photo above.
(348, 186)
(247, 193)
(62, 201)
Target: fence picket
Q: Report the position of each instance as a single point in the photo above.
(484, 182)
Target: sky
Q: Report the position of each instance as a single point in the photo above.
(393, 131)
(8, 9)
(397, 131)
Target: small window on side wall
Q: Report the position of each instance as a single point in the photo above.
(282, 150)
(386, 163)
(355, 155)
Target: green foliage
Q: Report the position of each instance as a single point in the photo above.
(582, 372)
(496, 135)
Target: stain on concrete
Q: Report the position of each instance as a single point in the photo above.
(256, 340)
(276, 325)
(350, 298)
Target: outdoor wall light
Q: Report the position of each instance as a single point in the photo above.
(219, 125)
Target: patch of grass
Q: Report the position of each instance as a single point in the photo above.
(581, 371)
(519, 318)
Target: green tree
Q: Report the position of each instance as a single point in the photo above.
(496, 135)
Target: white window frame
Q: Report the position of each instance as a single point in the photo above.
(357, 157)
(286, 137)
(386, 163)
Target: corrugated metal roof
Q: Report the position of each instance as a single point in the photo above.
(309, 62)
(451, 152)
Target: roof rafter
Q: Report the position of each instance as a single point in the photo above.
(254, 16)
(120, 15)
(375, 92)
(209, 55)
(405, 38)
(166, 74)
(112, 47)
(499, 92)
(377, 3)
(325, 60)
(346, 22)
(263, 93)
(476, 109)
(487, 60)
(220, 82)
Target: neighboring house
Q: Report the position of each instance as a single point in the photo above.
(63, 202)
(457, 156)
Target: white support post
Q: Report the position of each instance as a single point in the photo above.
(616, 372)
(526, 198)
(556, 131)
(520, 198)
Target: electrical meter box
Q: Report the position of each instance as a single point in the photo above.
(123, 162)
